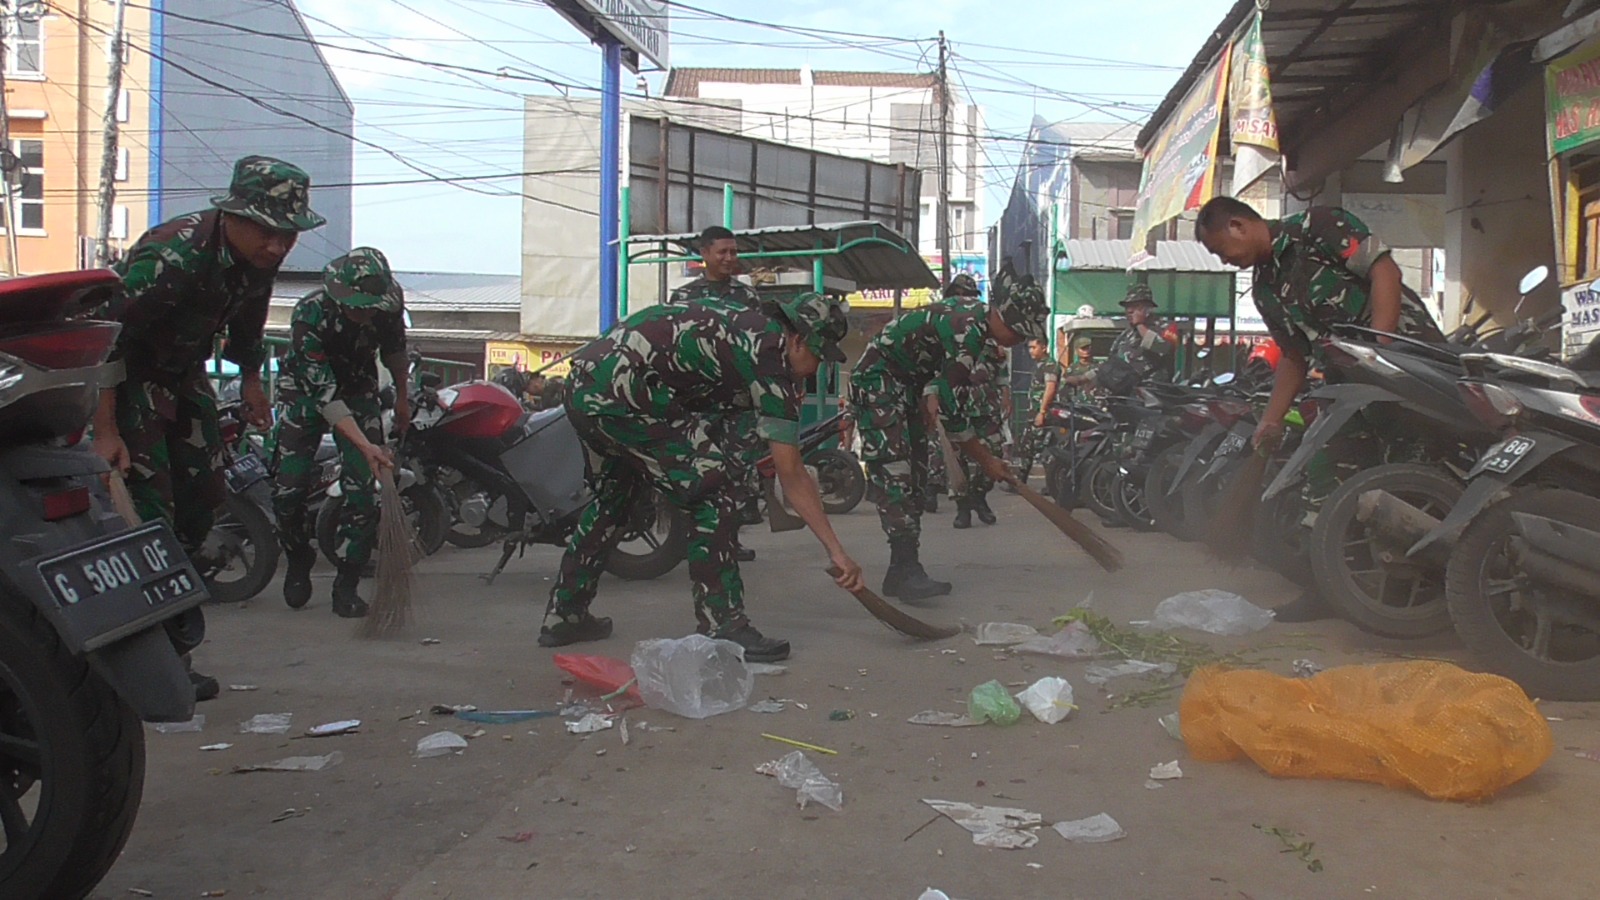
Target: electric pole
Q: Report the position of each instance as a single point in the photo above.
(944, 164)
(8, 159)
(108, 151)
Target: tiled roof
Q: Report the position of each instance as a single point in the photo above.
(876, 79)
(685, 82)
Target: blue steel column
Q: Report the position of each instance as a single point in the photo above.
(610, 177)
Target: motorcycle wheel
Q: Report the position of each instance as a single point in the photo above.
(1058, 478)
(840, 480)
(1202, 499)
(1131, 506)
(1098, 492)
(245, 541)
(657, 539)
(424, 508)
(1166, 510)
(71, 763)
(1546, 640)
(1370, 581)
(1280, 539)
(465, 536)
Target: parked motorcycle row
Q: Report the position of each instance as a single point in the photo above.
(1420, 488)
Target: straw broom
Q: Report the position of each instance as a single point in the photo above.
(391, 605)
(1230, 534)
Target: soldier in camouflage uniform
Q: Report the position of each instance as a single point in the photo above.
(1041, 396)
(329, 382)
(719, 290)
(652, 402)
(186, 281)
(949, 337)
(976, 410)
(1144, 352)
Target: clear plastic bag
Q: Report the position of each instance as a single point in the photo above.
(694, 677)
(1211, 611)
(798, 773)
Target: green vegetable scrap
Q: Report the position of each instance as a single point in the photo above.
(1294, 842)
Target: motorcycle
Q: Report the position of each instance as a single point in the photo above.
(93, 613)
(240, 556)
(526, 472)
(1081, 441)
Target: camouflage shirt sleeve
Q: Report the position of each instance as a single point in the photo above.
(310, 371)
(154, 276)
(391, 328)
(774, 394)
(1338, 235)
(245, 327)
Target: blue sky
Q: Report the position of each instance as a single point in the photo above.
(1080, 59)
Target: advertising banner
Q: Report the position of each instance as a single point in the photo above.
(1181, 165)
(1254, 130)
(1572, 92)
(526, 357)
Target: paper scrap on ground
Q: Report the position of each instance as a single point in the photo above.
(295, 764)
(1049, 699)
(266, 723)
(346, 726)
(946, 719)
(1211, 611)
(769, 705)
(440, 743)
(1002, 634)
(589, 724)
(1166, 771)
(1072, 642)
(1098, 829)
(766, 669)
(213, 747)
(999, 827)
(197, 723)
(1098, 674)
(1171, 725)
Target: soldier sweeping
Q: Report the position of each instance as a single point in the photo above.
(652, 402)
(187, 281)
(950, 337)
(329, 382)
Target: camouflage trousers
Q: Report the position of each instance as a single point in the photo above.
(1030, 446)
(979, 482)
(896, 450)
(938, 480)
(687, 459)
(745, 447)
(175, 448)
(295, 437)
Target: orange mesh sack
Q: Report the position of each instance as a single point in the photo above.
(1446, 732)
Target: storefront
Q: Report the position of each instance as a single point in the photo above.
(1572, 95)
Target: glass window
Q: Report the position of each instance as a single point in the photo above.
(29, 198)
(24, 47)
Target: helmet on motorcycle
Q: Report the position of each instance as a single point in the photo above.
(1020, 302)
(1266, 352)
(821, 321)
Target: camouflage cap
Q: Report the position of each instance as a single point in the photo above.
(822, 321)
(272, 192)
(1020, 302)
(1139, 293)
(963, 285)
(361, 279)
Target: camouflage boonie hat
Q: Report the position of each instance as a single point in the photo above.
(1138, 293)
(1020, 302)
(271, 192)
(361, 279)
(820, 320)
(963, 285)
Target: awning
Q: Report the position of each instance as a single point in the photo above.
(869, 255)
(1184, 277)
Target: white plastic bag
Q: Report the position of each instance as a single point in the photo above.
(1211, 611)
(798, 773)
(1002, 634)
(694, 677)
(1049, 699)
(440, 743)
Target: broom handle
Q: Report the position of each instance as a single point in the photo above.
(121, 499)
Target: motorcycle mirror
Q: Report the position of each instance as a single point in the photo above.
(1223, 380)
(405, 316)
(1531, 281)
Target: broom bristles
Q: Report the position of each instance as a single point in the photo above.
(1099, 549)
(391, 604)
(1230, 535)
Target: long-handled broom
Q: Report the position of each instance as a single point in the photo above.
(391, 603)
(121, 500)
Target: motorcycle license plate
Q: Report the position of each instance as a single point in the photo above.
(112, 587)
(245, 471)
(1142, 436)
(1503, 458)
(1232, 444)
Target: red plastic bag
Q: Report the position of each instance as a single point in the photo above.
(602, 672)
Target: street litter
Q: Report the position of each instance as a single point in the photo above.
(1170, 724)
(213, 747)
(504, 716)
(1294, 842)
(1075, 641)
(521, 837)
(266, 723)
(1049, 699)
(243, 687)
(197, 723)
(1166, 771)
(945, 719)
(612, 677)
(440, 743)
(589, 724)
(348, 726)
(290, 813)
(428, 642)
(476, 734)
(801, 744)
(141, 892)
(694, 677)
(295, 764)
(1098, 829)
(647, 728)
(766, 669)
(999, 827)
(1429, 726)
(801, 775)
(1100, 674)
(1151, 784)
(1002, 634)
(1305, 668)
(991, 702)
(769, 705)
(841, 715)
(1211, 611)
(451, 709)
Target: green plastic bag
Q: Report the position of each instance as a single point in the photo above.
(991, 702)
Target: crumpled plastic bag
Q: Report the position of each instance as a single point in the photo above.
(1075, 641)
(601, 672)
(440, 743)
(991, 702)
(1002, 634)
(1428, 726)
(1211, 611)
(798, 773)
(1049, 699)
(694, 677)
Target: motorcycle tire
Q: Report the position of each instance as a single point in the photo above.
(1098, 492)
(1058, 479)
(1201, 500)
(472, 538)
(840, 480)
(1166, 510)
(1355, 582)
(1501, 628)
(1131, 506)
(249, 544)
(70, 741)
(429, 521)
(663, 530)
(1280, 539)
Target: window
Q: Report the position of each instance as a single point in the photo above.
(24, 47)
(119, 223)
(122, 164)
(1585, 171)
(29, 198)
(1122, 224)
(123, 105)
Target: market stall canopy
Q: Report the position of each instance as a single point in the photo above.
(1186, 279)
(868, 255)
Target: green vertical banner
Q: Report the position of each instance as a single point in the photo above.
(1180, 167)
(1572, 92)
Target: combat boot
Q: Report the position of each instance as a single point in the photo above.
(297, 578)
(588, 628)
(981, 507)
(963, 514)
(347, 604)
(906, 579)
(930, 501)
(757, 647)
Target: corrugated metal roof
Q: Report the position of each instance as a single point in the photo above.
(427, 291)
(885, 261)
(1113, 256)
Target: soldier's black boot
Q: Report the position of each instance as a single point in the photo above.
(757, 647)
(910, 582)
(750, 513)
(981, 507)
(562, 633)
(963, 513)
(930, 501)
(347, 604)
(297, 577)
